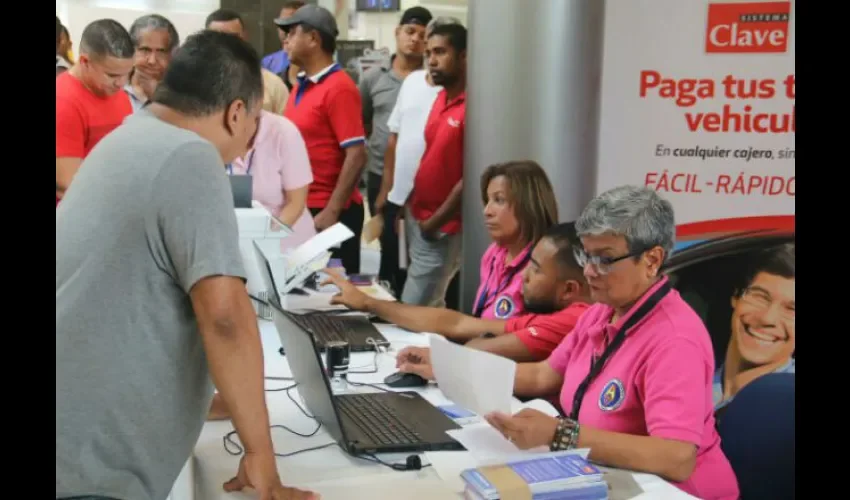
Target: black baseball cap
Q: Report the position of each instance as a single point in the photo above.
(318, 18)
(416, 15)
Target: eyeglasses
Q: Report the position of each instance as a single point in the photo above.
(159, 54)
(600, 264)
(761, 300)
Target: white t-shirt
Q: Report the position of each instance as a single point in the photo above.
(408, 119)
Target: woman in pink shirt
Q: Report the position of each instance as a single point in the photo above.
(635, 375)
(281, 174)
(519, 206)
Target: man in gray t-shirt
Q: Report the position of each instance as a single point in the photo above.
(379, 88)
(150, 295)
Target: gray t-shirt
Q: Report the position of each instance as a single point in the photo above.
(149, 214)
(379, 88)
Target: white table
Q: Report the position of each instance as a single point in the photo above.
(329, 471)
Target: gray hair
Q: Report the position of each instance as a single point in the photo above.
(153, 22)
(639, 214)
(440, 21)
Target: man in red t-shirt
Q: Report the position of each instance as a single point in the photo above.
(90, 97)
(555, 294)
(325, 106)
(433, 218)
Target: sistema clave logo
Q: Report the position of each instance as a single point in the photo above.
(752, 27)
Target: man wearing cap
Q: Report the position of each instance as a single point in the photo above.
(379, 88)
(325, 105)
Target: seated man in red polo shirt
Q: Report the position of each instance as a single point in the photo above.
(325, 106)
(90, 97)
(555, 294)
(433, 215)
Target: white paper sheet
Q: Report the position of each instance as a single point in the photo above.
(316, 246)
(476, 380)
(449, 464)
(488, 446)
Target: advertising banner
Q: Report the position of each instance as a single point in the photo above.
(698, 102)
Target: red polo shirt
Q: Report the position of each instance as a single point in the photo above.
(441, 166)
(327, 110)
(83, 118)
(542, 333)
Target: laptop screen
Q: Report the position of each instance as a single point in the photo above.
(266, 271)
(307, 368)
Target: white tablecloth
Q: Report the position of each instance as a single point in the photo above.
(329, 471)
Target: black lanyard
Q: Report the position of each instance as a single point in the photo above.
(596, 365)
(484, 298)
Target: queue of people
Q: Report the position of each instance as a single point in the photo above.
(147, 132)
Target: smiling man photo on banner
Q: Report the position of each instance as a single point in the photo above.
(763, 332)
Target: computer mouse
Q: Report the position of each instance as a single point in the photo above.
(401, 379)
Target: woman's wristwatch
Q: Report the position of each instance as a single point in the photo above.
(566, 435)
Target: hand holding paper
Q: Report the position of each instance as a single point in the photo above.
(527, 429)
(489, 446)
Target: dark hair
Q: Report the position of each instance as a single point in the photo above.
(328, 42)
(224, 15)
(58, 32)
(565, 238)
(154, 22)
(531, 196)
(106, 37)
(292, 4)
(209, 72)
(779, 261)
(455, 33)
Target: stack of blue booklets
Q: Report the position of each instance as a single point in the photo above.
(539, 477)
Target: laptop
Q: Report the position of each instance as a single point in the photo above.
(362, 424)
(357, 330)
(242, 187)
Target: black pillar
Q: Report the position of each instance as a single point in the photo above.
(259, 16)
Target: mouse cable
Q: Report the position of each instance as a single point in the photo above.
(239, 450)
(377, 347)
(281, 389)
(412, 463)
(234, 448)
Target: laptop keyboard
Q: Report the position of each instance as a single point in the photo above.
(325, 328)
(377, 420)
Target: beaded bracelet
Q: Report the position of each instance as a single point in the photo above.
(566, 435)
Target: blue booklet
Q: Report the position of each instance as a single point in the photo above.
(550, 477)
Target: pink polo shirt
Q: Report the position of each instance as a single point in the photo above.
(279, 163)
(500, 293)
(658, 383)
